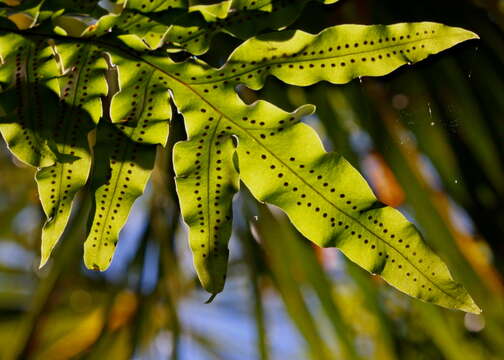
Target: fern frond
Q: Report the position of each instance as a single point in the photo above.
(280, 159)
(324, 196)
(81, 87)
(338, 54)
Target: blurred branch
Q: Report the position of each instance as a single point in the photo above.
(287, 279)
(64, 255)
(253, 257)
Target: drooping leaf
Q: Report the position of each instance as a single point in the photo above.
(29, 96)
(206, 178)
(127, 149)
(206, 183)
(300, 264)
(120, 175)
(288, 273)
(471, 131)
(80, 108)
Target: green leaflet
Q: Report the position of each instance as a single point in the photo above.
(54, 136)
(331, 204)
(326, 199)
(120, 175)
(338, 54)
(136, 30)
(79, 110)
(206, 183)
(127, 148)
(245, 19)
(85, 26)
(30, 94)
(84, 19)
(206, 177)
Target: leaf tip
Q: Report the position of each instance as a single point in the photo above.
(469, 306)
(472, 308)
(211, 298)
(43, 261)
(91, 264)
(472, 35)
(467, 34)
(96, 267)
(306, 110)
(46, 249)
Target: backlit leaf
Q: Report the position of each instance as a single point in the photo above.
(79, 110)
(29, 96)
(206, 182)
(324, 196)
(52, 98)
(338, 54)
(127, 148)
(120, 175)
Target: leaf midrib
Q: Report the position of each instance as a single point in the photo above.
(209, 226)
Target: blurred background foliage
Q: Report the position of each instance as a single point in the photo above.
(429, 140)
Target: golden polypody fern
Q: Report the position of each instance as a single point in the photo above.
(56, 72)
